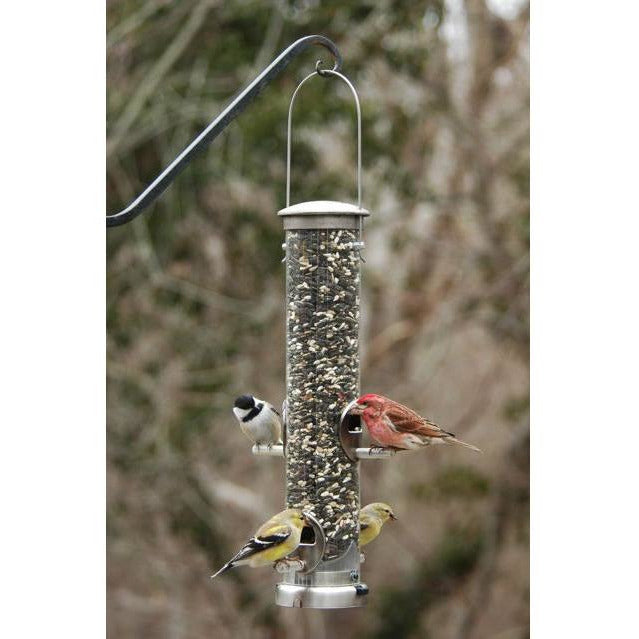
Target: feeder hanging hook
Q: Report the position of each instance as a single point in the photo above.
(233, 109)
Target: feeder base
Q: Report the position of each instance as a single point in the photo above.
(291, 596)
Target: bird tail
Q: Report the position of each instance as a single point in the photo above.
(451, 439)
(223, 569)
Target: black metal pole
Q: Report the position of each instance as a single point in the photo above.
(236, 106)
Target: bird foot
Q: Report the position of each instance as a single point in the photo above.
(373, 450)
(288, 564)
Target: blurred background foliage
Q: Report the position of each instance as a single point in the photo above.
(196, 305)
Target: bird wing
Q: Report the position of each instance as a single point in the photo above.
(267, 537)
(273, 532)
(275, 427)
(368, 529)
(404, 420)
(366, 520)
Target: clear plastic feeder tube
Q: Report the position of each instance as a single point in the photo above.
(323, 373)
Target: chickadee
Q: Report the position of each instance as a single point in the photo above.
(258, 420)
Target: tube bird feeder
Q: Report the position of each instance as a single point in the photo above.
(323, 243)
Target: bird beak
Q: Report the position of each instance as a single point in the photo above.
(356, 410)
(393, 517)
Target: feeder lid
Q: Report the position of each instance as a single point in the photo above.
(324, 207)
(322, 214)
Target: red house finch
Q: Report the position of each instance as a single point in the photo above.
(393, 425)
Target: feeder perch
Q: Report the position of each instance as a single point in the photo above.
(350, 435)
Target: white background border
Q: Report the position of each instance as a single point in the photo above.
(585, 319)
(52, 350)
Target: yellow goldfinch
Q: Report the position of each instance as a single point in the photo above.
(371, 520)
(272, 541)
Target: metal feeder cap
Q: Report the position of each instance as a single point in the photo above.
(322, 214)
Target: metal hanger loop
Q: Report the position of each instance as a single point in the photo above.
(324, 73)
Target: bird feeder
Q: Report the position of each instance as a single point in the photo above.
(323, 243)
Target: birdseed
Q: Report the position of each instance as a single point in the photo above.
(322, 281)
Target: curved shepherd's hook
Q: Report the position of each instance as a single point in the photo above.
(162, 181)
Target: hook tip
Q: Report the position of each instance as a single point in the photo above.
(319, 70)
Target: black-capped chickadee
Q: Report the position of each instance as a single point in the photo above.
(258, 420)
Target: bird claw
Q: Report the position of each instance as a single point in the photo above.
(376, 450)
(288, 564)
